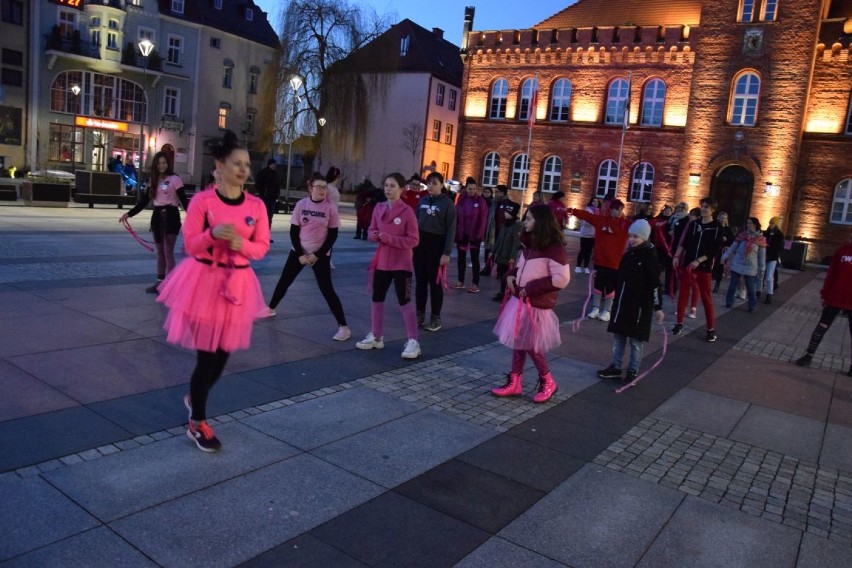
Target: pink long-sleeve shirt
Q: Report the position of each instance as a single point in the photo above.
(397, 227)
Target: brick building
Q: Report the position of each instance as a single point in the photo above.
(670, 100)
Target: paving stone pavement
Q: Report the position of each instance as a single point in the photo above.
(764, 483)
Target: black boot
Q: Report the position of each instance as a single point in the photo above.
(768, 299)
(716, 287)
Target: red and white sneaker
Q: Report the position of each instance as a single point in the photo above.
(202, 434)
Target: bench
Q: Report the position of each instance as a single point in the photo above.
(102, 188)
(104, 199)
(8, 193)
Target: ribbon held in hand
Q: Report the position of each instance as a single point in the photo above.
(147, 244)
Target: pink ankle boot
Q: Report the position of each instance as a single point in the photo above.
(546, 387)
(512, 387)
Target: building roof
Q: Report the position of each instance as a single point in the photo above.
(591, 13)
(230, 19)
(428, 52)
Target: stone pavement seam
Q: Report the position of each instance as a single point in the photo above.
(441, 384)
(761, 482)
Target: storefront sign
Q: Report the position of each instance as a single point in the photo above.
(79, 4)
(173, 124)
(89, 122)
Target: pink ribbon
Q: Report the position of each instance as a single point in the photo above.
(575, 325)
(442, 277)
(147, 244)
(635, 381)
(229, 271)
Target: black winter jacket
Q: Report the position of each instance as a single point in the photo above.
(638, 293)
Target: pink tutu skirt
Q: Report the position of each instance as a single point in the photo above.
(200, 316)
(521, 326)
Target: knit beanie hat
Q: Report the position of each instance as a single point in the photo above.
(512, 209)
(641, 229)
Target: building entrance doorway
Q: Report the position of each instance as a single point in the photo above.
(733, 187)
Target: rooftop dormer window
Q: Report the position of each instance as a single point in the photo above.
(177, 6)
(249, 14)
(403, 46)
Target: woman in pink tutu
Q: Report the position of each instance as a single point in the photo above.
(527, 323)
(213, 295)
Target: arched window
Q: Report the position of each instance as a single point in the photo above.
(551, 174)
(100, 95)
(616, 102)
(653, 102)
(490, 169)
(770, 10)
(520, 171)
(525, 100)
(607, 178)
(746, 89)
(499, 94)
(841, 206)
(642, 184)
(560, 100)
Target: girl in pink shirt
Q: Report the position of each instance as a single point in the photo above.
(394, 227)
(213, 295)
(165, 190)
(314, 226)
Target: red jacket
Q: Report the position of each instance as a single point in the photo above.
(610, 237)
(837, 290)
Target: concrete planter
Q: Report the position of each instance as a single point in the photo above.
(46, 194)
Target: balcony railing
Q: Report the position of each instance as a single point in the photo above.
(73, 44)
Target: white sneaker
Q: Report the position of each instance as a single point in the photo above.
(342, 334)
(593, 315)
(412, 349)
(371, 342)
(692, 313)
(578, 270)
(587, 270)
(741, 295)
(266, 313)
(604, 316)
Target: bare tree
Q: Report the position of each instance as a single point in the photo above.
(412, 137)
(317, 35)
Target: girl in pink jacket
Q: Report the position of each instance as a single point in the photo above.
(527, 323)
(394, 227)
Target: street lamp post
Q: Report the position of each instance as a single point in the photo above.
(321, 121)
(145, 48)
(295, 83)
(76, 90)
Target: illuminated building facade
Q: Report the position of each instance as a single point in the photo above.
(671, 100)
(95, 93)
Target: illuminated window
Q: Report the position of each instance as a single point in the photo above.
(490, 169)
(560, 100)
(520, 171)
(527, 89)
(551, 174)
(653, 101)
(439, 96)
(643, 182)
(223, 118)
(848, 129)
(770, 10)
(841, 207)
(65, 143)
(499, 94)
(101, 95)
(746, 11)
(607, 178)
(744, 100)
(616, 102)
(436, 130)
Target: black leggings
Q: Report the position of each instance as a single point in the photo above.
(825, 321)
(427, 261)
(401, 280)
(474, 260)
(208, 369)
(322, 273)
(584, 257)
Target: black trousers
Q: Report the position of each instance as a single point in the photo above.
(427, 261)
(322, 273)
(208, 369)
